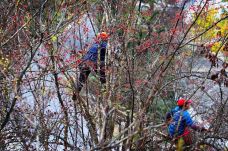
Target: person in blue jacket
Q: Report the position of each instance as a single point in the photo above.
(181, 121)
(169, 115)
(89, 61)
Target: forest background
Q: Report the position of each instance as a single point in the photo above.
(158, 51)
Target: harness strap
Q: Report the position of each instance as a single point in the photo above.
(178, 124)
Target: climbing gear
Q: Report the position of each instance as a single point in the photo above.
(178, 123)
(178, 139)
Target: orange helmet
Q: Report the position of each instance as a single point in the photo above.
(102, 35)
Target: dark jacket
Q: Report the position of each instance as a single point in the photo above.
(92, 54)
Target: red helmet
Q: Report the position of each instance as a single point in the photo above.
(102, 35)
(181, 102)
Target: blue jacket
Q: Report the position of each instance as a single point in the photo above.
(170, 114)
(185, 121)
(92, 54)
(176, 109)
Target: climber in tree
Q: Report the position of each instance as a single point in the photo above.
(181, 121)
(89, 60)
